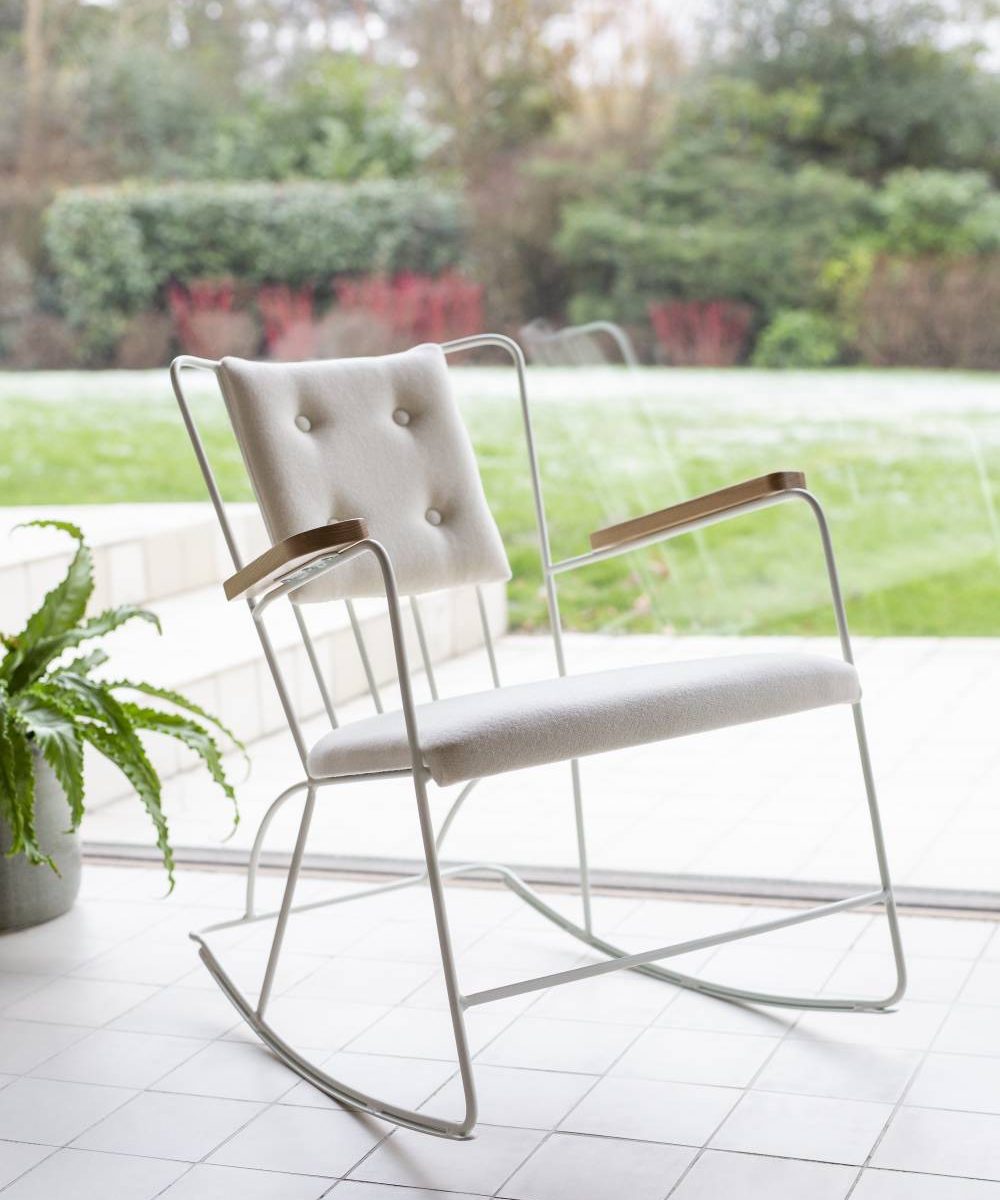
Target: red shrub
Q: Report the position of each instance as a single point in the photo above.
(701, 333)
(415, 308)
(206, 321)
(289, 322)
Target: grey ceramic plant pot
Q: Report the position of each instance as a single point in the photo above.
(30, 895)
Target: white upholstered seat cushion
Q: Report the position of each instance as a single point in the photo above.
(486, 733)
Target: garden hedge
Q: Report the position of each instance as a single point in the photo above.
(112, 250)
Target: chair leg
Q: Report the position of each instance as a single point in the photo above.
(581, 846)
(255, 1014)
(881, 856)
(286, 902)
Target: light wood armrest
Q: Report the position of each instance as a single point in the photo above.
(294, 552)
(688, 511)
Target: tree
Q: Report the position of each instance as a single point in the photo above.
(706, 226)
(866, 85)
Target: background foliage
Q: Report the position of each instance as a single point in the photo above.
(113, 250)
(574, 160)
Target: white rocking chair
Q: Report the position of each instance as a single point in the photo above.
(368, 486)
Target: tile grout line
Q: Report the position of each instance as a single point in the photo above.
(678, 991)
(763, 1066)
(924, 1055)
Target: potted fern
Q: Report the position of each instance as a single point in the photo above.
(52, 705)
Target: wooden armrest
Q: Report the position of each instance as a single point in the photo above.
(688, 511)
(293, 552)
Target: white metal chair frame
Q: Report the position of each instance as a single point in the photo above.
(555, 347)
(255, 1013)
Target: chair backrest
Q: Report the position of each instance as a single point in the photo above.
(380, 438)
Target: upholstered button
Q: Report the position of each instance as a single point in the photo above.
(432, 516)
(303, 422)
(401, 416)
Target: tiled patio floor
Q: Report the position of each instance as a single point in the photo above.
(126, 1076)
(780, 800)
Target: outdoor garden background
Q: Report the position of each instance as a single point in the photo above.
(791, 206)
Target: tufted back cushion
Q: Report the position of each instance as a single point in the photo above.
(379, 438)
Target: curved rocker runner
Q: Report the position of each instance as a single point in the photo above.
(368, 487)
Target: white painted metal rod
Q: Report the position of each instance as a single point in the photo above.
(650, 956)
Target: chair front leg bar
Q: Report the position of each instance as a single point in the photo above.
(257, 1016)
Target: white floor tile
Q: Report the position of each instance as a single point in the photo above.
(306, 1141)
(80, 1001)
(939, 980)
(515, 1097)
(433, 994)
(53, 1112)
(718, 1175)
(15, 985)
(25, 1044)
(901, 1185)
(404, 941)
(313, 1021)
(911, 1026)
(404, 1081)
(85, 1173)
(800, 970)
(650, 1110)
(938, 937)
(181, 1012)
(166, 1126)
(246, 969)
(569, 1167)
(26, 953)
(545, 1044)
(351, 1189)
(232, 1070)
(426, 1033)
(622, 999)
(362, 981)
(205, 1182)
(694, 1011)
(695, 1056)
(18, 1157)
(117, 1059)
(960, 1081)
(141, 961)
(970, 1029)
(846, 1072)
(934, 1141)
(481, 1165)
(983, 984)
(810, 1127)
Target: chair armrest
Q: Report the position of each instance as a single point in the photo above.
(692, 511)
(293, 553)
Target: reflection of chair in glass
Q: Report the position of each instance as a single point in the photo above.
(367, 483)
(595, 344)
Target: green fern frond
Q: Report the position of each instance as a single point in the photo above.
(192, 735)
(162, 693)
(62, 608)
(55, 732)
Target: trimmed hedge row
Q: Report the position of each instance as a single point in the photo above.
(112, 250)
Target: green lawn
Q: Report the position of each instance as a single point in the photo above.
(907, 464)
